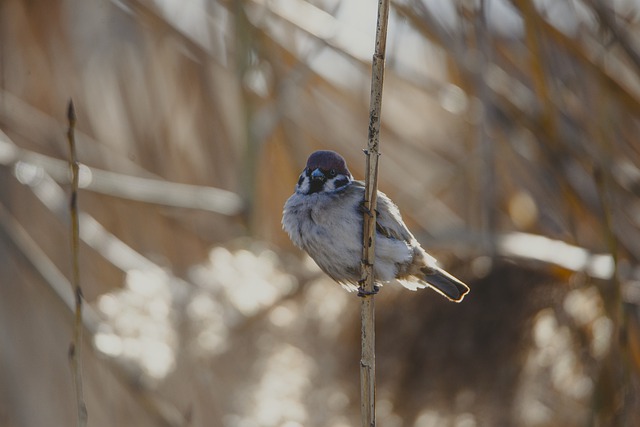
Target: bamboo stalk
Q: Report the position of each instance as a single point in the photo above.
(75, 350)
(367, 361)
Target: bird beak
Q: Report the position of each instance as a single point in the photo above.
(317, 175)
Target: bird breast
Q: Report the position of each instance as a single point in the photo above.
(325, 227)
(328, 226)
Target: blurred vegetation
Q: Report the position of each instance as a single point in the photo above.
(510, 143)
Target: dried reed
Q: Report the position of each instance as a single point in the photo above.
(75, 350)
(368, 359)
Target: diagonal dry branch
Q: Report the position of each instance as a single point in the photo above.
(129, 187)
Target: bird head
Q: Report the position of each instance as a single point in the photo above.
(325, 172)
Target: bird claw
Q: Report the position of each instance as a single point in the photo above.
(366, 210)
(364, 293)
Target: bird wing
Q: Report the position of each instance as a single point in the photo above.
(388, 219)
(389, 222)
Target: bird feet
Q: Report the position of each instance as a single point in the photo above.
(363, 293)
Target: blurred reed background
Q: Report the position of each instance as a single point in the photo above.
(510, 142)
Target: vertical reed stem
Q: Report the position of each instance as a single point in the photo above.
(75, 350)
(367, 361)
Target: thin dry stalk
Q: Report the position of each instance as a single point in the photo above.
(75, 350)
(368, 361)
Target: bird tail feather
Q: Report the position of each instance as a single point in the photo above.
(445, 284)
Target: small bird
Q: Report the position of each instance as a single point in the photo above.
(324, 216)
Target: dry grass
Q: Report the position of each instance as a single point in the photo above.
(195, 122)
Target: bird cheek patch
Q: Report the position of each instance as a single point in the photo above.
(303, 185)
(341, 182)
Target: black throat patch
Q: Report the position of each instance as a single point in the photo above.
(315, 186)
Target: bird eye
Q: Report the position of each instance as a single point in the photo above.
(307, 171)
(332, 173)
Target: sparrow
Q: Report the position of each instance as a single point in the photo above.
(324, 217)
